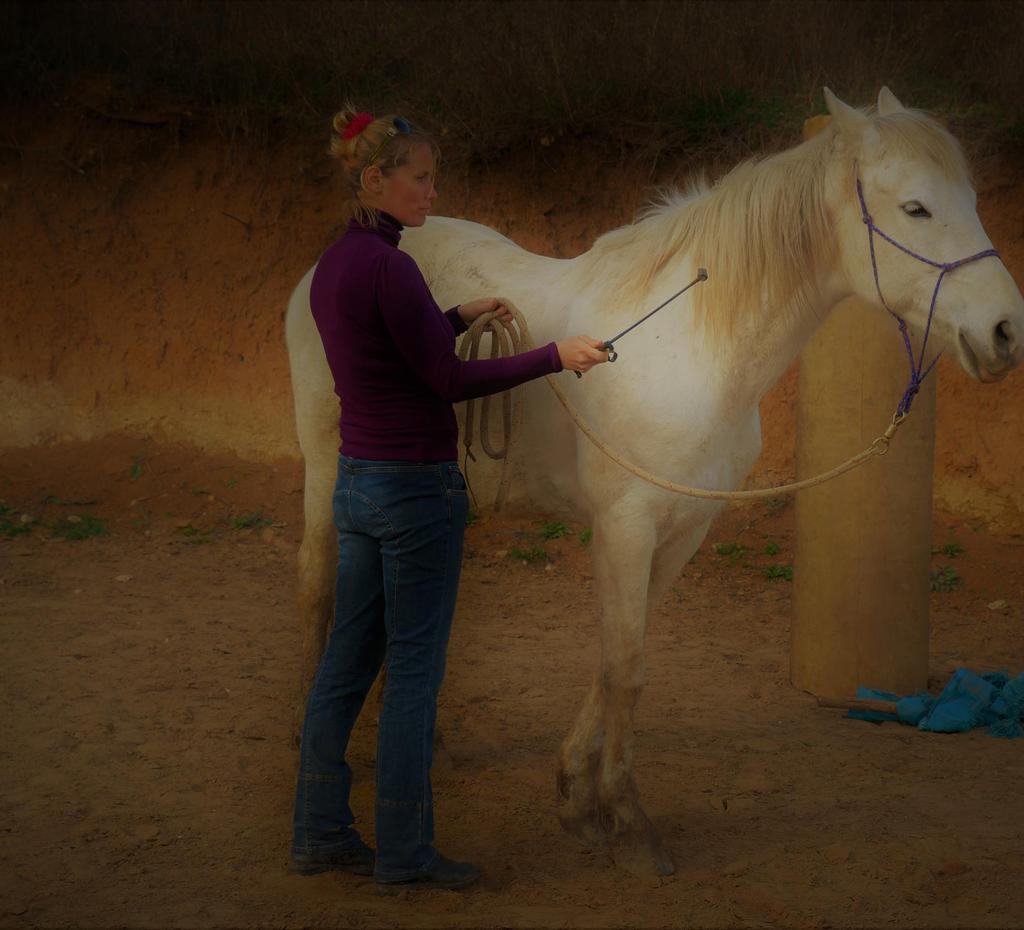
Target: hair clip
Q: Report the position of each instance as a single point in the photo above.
(398, 126)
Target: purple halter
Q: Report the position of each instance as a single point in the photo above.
(916, 375)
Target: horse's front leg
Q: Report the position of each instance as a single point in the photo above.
(596, 781)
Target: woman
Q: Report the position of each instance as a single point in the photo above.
(400, 507)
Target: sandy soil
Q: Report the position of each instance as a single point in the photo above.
(147, 771)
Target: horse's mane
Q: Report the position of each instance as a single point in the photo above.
(764, 229)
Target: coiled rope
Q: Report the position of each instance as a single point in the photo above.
(510, 340)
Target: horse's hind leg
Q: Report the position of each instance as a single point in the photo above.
(318, 562)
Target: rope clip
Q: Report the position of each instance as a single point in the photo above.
(881, 445)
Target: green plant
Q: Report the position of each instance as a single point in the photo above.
(555, 531)
(586, 534)
(470, 517)
(953, 549)
(772, 548)
(195, 536)
(531, 555)
(729, 548)
(136, 469)
(11, 524)
(79, 527)
(775, 571)
(249, 520)
(945, 579)
(232, 482)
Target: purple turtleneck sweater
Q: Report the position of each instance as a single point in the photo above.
(392, 351)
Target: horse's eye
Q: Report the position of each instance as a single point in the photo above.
(913, 208)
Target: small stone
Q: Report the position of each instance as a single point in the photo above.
(738, 805)
(267, 534)
(26, 518)
(122, 578)
(951, 867)
(181, 524)
(998, 605)
(77, 591)
(837, 852)
(74, 519)
(501, 553)
(148, 832)
(549, 567)
(752, 783)
(736, 868)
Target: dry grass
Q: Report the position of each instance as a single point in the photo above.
(633, 78)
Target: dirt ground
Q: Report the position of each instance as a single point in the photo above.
(150, 668)
(147, 698)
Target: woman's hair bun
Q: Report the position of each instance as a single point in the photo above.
(344, 117)
(348, 124)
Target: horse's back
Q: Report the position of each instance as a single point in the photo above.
(442, 236)
(462, 260)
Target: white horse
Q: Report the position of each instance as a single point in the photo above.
(784, 241)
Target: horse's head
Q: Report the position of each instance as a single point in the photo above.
(917, 191)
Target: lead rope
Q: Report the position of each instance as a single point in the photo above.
(509, 341)
(505, 341)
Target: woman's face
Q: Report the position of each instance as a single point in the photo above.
(408, 192)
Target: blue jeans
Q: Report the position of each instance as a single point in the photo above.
(400, 531)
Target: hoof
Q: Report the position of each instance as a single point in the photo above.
(642, 856)
(634, 843)
(581, 824)
(578, 811)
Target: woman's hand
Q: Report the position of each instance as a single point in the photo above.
(469, 312)
(581, 353)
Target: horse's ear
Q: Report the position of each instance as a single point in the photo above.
(854, 126)
(847, 119)
(888, 104)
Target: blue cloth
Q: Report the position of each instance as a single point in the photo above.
(400, 534)
(969, 700)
